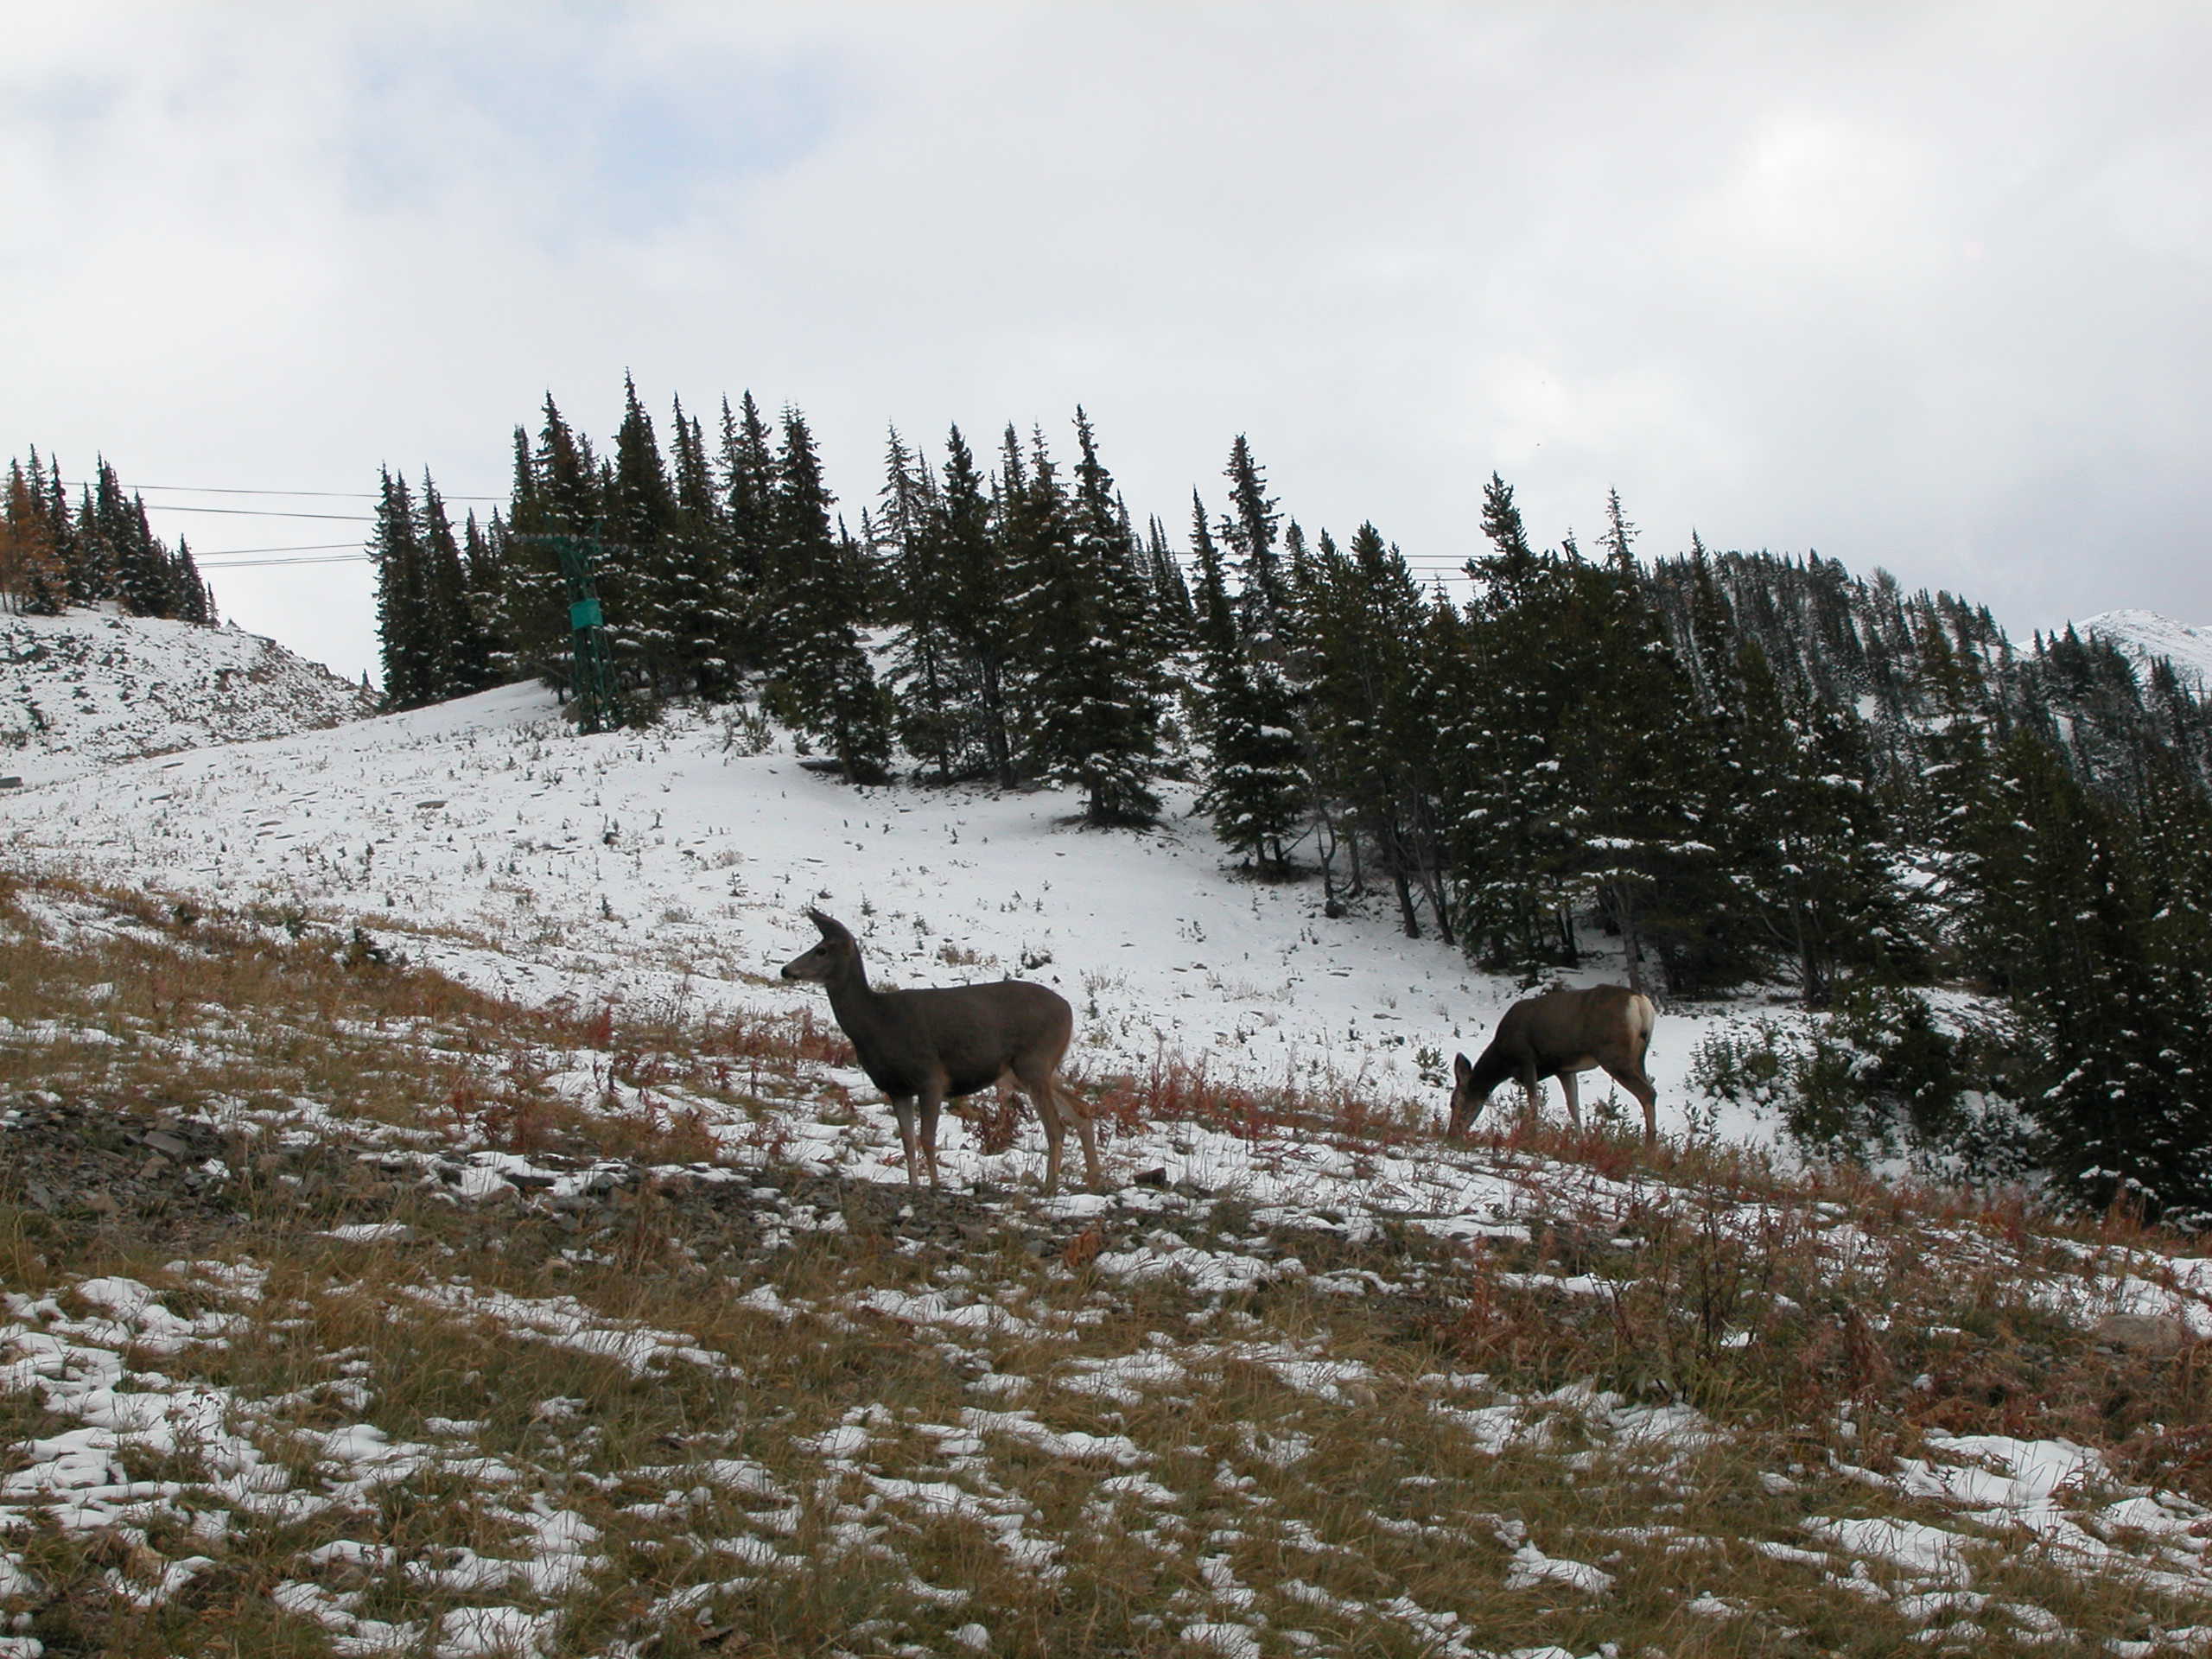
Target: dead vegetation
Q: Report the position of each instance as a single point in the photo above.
(665, 1392)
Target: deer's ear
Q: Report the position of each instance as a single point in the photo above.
(1460, 1069)
(831, 929)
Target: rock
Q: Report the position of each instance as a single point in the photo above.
(2144, 1333)
(163, 1141)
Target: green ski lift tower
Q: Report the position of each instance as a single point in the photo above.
(592, 681)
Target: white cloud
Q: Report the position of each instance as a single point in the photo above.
(1920, 287)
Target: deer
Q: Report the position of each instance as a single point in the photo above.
(1560, 1034)
(924, 1046)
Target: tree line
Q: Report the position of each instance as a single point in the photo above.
(1728, 768)
(102, 550)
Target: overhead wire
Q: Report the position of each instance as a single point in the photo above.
(249, 558)
(261, 513)
(298, 546)
(225, 489)
(323, 558)
(1425, 568)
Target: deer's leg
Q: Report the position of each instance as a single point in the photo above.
(1639, 1085)
(1056, 1130)
(932, 1102)
(1040, 1099)
(1071, 1111)
(902, 1107)
(1571, 1089)
(1532, 1094)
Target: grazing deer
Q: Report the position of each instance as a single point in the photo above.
(922, 1047)
(1557, 1035)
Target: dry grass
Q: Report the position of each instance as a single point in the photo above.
(820, 1474)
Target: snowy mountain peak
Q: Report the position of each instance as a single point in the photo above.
(2145, 634)
(89, 688)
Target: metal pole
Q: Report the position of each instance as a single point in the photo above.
(592, 678)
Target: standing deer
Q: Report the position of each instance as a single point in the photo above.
(1559, 1034)
(922, 1047)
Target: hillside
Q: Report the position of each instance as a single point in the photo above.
(672, 865)
(2145, 635)
(427, 1224)
(87, 688)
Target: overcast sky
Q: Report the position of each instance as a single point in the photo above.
(1919, 287)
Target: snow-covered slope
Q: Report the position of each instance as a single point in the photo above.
(83, 689)
(2145, 634)
(1221, 1364)
(671, 863)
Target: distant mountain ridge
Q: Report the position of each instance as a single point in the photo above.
(2145, 634)
(89, 688)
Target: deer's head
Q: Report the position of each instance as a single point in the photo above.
(828, 959)
(1467, 1100)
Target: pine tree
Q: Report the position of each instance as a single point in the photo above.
(455, 642)
(1250, 532)
(1097, 690)
(33, 576)
(1177, 617)
(483, 659)
(700, 596)
(748, 472)
(2060, 922)
(1512, 841)
(96, 573)
(1362, 640)
(931, 671)
(195, 601)
(404, 622)
(975, 596)
(1633, 842)
(638, 583)
(823, 680)
(1256, 785)
(557, 498)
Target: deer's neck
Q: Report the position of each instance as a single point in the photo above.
(1491, 1068)
(852, 998)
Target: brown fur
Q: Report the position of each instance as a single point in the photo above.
(923, 1047)
(1559, 1034)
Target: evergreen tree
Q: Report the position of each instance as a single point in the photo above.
(33, 575)
(456, 642)
(1250, 532)
(929, 671)
(700, 583)
(194, 602)
(1097, 688)
(1358, 641)
(1511, 842)
(976, 596)
(557, 497)
(748, 473)
(639, 583)
(1257, 786)
(404, 623)
(2061, 924)
(1176, 616)
(95, 573)
(1633, 842)
(484, 658)
(823, 681)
